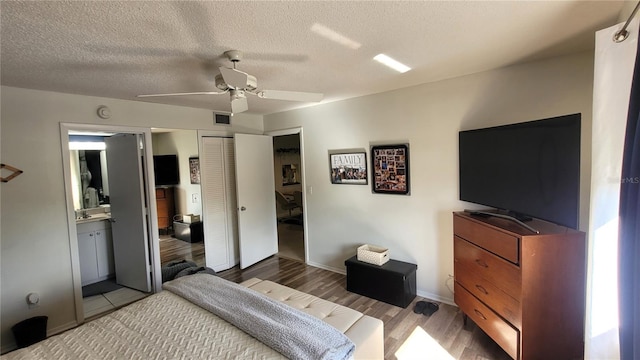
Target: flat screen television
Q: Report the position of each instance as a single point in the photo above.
(529, 169)
(166, 170)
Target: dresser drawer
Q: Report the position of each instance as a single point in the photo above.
(497, 299)
(494, 326)
(163, 222)
(502, 244)
(160, 193)
(163, 207)
(495, 270)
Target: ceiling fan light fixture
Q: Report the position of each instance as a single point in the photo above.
(220, 84)
(250, 85)
(238, 83)
(237, 94)
(238, 101)
(392, 63)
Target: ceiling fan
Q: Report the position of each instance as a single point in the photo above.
(238, 84)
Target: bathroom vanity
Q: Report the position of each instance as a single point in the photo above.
(95, 247)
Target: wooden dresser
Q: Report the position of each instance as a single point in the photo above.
(166, 207)
(525, 290)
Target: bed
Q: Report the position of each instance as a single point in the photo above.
(205, 317)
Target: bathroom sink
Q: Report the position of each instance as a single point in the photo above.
(94, 217)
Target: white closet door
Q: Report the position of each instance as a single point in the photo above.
(232, 203)
(215, 201)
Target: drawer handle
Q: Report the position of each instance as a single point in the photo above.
(482, 289)
(479, 314)
(482, 263)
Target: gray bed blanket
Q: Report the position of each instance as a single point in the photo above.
(287, 330)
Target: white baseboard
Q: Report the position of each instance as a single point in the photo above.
(330, 268)
(435, 297)
(61, 328)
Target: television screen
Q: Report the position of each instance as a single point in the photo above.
(166, 170)
(531, 168)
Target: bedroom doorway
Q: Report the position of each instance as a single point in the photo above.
(289, 192)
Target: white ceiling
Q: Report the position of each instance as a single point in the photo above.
(119, 49)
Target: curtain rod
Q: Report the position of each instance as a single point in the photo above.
(622, 34)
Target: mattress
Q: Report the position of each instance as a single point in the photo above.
(161, 326)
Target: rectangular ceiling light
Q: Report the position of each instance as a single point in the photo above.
(392, 63)
(335, 36)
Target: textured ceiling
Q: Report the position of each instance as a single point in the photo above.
(119, 49)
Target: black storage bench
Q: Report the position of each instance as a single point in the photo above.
(188, 232)
(393, 282)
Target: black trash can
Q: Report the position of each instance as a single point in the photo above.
(30, 331)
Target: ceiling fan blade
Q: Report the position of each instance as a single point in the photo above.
(290, 95)
(183, 94)
(239, 104)
(234, 78)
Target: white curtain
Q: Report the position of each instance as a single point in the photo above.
(614, 63)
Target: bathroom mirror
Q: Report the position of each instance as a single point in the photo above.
(89, 176)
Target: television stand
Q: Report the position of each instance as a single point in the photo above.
(486, 213)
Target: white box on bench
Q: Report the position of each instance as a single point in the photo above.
(372, 254)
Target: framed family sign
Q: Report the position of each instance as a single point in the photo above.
(348, 168)
(390, 169)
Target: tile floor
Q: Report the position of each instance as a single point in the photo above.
(98, 304)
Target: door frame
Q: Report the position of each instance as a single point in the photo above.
(152, 217)
(305, 231)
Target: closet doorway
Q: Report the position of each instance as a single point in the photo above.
(289, 193)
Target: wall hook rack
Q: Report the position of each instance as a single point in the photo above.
(15, 172)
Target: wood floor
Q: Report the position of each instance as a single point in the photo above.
(174, 249)
(290, 245)
(444, 329)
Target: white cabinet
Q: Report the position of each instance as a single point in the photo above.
(104, 253)
(88, 261)
(95, 248)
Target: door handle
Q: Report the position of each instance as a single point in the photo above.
(242, 208)
(482, 289)
(480, 314)
(482, 263)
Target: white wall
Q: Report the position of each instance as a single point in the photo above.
(34, 236)
(183, 143)
(626, 10)
(418, 228)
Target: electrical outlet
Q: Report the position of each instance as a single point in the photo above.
(195, 198)
(33, 299)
